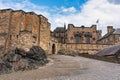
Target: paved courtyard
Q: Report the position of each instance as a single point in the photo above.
(69, 68)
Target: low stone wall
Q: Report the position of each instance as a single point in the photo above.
(83, 48)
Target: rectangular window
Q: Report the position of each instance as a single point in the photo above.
(111, 38)
(119, 38)
(10, 37)
(88, 40)
(77, 39)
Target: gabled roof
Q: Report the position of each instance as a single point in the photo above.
(115, 31)
(60, 29)
(109, 51)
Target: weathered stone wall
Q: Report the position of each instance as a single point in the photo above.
(15, 22)
(44, 33)
(83, 48)
(23, 30)
(54, 42)
(4, 25)
(26, 41)
(35, 27)
(117, 39)
(110, 39)
(83, 33)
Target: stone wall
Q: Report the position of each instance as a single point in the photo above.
(44, 33)
(55, 46)
(82, 34)
(23, 29)
(5, 20)
(83, 48)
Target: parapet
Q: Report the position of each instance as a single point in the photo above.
(43, 17)
(6, 9)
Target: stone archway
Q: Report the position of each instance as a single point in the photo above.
(53, 48)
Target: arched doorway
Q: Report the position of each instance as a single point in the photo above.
(53, 49)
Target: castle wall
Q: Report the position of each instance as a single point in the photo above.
(117, 38)
(44, 33)
(23, 30)
(15, 25)
(5, 20)
(27, 22)
(36, 28)
(83, 34)
(83, 48)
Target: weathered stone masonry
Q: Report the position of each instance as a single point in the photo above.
(26, 29)
(79, 39)
(23, 30)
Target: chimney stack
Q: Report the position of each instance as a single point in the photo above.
(109, 29)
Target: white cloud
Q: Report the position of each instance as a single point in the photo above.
(106, 11)
(114, 1)
(25, 5)
(70, 9)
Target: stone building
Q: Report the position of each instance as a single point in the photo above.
(76, 34)
(79, 39)
(112, 36)
(23, 30)
(60, 34)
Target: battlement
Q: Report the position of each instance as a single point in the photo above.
(4, 10)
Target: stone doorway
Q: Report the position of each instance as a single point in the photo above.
(53, 49)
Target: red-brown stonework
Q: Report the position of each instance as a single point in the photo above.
(23, 30)
(19, 29)
(75, 34)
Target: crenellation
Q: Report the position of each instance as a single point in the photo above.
(81, 34)
(5, 10)
(43, 17)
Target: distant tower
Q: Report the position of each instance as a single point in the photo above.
(64, 26)
(64, 32)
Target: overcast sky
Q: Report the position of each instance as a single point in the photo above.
(77, 12)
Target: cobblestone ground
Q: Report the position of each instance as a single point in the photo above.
(59, 65)
(69, 68)
(93, 70)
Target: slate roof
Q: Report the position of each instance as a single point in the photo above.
(109, 51)
(116, 31)
(60, 29)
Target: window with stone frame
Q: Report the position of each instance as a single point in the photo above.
(77, 39)
(119, 38)
(88, 39)
(57, 35)
(111, 38)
